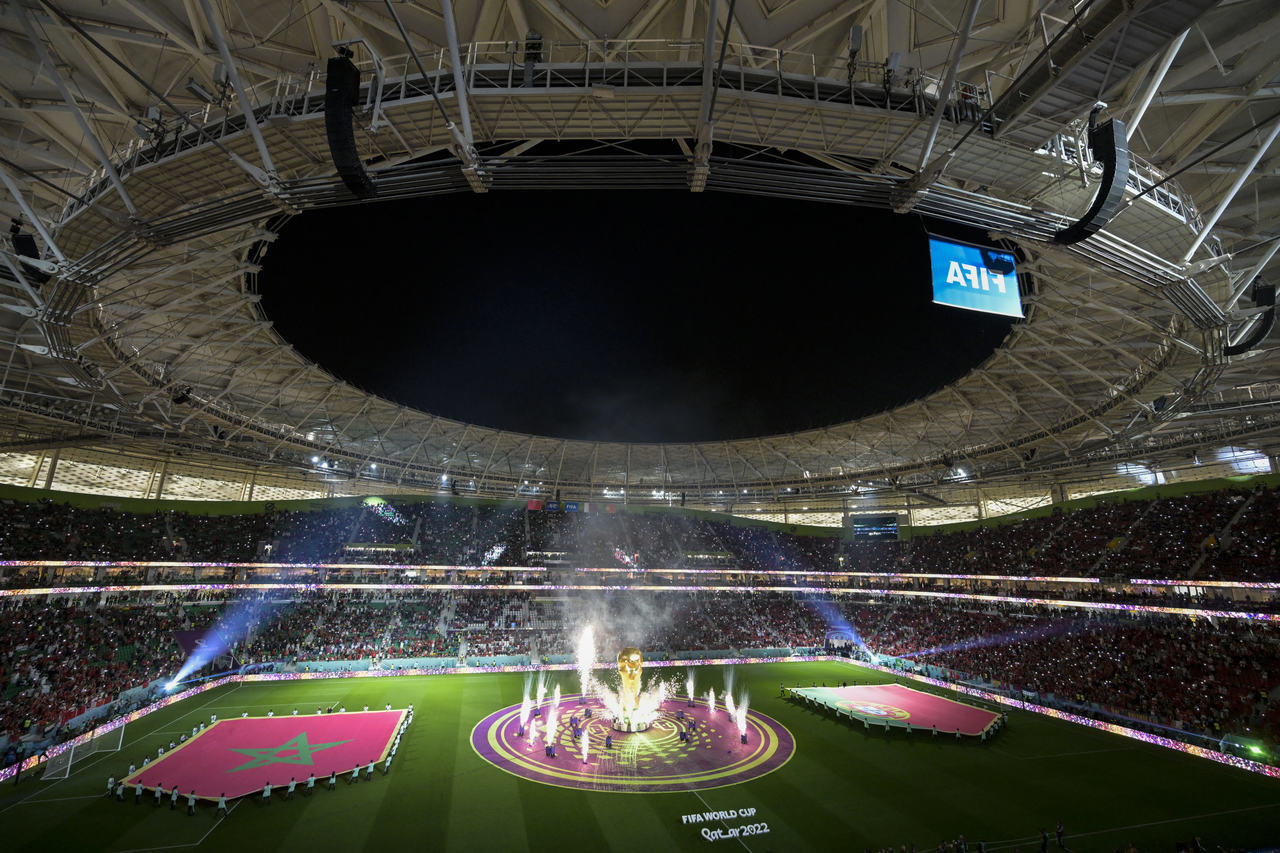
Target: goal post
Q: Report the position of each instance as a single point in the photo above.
(60, 766)
(108, 741)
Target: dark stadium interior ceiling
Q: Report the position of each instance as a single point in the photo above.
(661, 316)
(151, 196)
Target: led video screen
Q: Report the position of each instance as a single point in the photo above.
(974, 277)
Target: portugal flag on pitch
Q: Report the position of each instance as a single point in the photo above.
(239, 756)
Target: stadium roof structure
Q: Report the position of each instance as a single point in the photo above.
(151, 149)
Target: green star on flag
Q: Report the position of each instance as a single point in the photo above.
(293, 751)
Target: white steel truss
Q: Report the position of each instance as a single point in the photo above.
(159, 145)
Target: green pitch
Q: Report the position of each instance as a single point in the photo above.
(843, 790)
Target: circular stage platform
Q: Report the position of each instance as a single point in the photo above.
(653, 761)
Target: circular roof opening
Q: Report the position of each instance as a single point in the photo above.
(641, 317)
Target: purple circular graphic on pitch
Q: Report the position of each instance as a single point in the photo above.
(654, 761)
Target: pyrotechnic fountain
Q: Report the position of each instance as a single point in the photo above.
(542, 693)
(553, 724)
(585, 659)
(740, 717)
(633, 707)
(526, 709)
(637, 746)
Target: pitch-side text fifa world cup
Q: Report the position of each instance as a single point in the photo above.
(728, 832)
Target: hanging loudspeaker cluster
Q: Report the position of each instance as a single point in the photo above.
(342, 88)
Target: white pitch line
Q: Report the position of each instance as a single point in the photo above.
(107, 755)
(1013, 842)
(724, 823)
(195, 843)
(301, 713)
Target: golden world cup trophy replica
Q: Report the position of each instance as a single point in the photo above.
(630, 660)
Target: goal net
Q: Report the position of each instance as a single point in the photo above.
(59, 766)
(108, 741)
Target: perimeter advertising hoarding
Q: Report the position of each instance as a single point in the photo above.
(974, 277)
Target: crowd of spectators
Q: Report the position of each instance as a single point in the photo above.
(1173, 532)
(1252, 552)
(1189, 674)
(1193, 675)
(62, 656)
(1228, 534)
(59, 659)
(1194, 536)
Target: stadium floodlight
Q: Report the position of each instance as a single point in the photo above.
(194, 87)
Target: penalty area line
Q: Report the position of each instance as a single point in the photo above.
(195, 843)
(74, 771)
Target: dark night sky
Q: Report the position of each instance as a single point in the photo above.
(661, 316)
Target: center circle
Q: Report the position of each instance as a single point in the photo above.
(658, 760)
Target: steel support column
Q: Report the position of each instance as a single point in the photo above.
(52, 68)
(948, 82)
(215, 27)
(702, 139)
(12, 187)
(1231, 193)
(1247, 278)
(459, 73)
(1156, 80)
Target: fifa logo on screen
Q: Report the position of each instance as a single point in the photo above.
(979, 278)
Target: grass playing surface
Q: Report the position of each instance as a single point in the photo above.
(844, 789)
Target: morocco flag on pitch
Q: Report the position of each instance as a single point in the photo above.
(241, 755)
